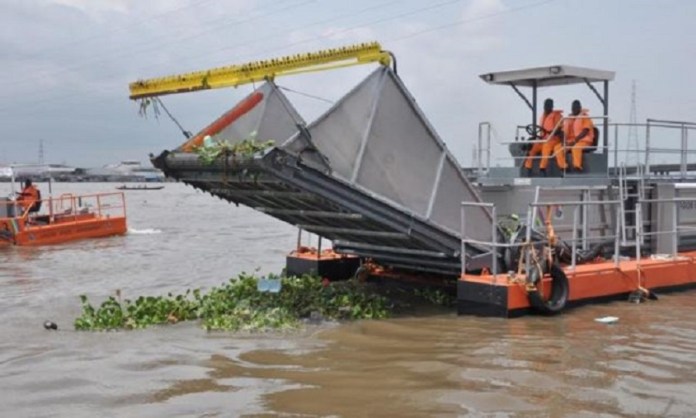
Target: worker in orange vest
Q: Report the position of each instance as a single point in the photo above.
(579, 134)
(29, 197)
(550, 132)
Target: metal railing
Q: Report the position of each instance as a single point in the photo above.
(682, 151)
(644, 153)
(69, 208)
(299, 245)
(103, 205)
(493, 244)
(579, 224)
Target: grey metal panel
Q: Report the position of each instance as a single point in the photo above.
(299, 193)
(686, 213)
(553, 75)
(339, 133)
(451, 191)
(662, 219)
(377, 136)
(357, 200)
(273, 118)
(469, 193)
(401, 157)
(279, 119)
(371, 171)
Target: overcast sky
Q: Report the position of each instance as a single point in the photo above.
(66, 64)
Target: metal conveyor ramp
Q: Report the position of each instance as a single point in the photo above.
(371, 174)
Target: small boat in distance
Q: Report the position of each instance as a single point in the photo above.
(124, 187)
(66, 218)
(55, 220)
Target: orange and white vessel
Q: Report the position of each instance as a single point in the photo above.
(68, 217)
(373, 176)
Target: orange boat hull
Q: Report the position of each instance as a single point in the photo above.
(70, 231)
(499, 296)
(70, 217)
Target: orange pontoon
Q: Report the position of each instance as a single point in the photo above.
(507, 295)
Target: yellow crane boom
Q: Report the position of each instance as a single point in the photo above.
(235, 75)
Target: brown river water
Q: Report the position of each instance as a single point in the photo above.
(429, 365)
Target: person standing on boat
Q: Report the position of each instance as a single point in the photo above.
(579, 134)
(29, 197)
(550, 132)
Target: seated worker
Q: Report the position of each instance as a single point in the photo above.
(548, 122)
(29, 197)
(579, 134)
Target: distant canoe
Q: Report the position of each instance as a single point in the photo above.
(140, 187)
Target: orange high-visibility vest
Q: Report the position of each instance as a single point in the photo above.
(28, 197)
(568, 131)
(29, 194)
(550, 121)
(581, 123)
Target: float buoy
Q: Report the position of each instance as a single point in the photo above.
(559, 291)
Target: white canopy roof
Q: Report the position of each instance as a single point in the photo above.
(554, 75)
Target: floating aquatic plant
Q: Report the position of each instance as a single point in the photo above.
(239, 305)
(209, 151)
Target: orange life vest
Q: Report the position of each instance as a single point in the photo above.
(550, 120)
(573, 127)
(582, 123)
(29, 193)
(28, 197)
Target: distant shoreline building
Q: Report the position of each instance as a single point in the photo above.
(124, 171)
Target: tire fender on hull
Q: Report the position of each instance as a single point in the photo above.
(560, 289)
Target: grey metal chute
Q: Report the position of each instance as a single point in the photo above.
(270, 116)
(378, 140)
(370, 174)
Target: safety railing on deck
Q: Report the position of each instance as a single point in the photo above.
(632, 145)
(682, 151)
(494, 247)
(103, 205)
(68, 207)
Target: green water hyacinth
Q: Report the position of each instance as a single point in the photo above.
(238, 305)
(211, 150)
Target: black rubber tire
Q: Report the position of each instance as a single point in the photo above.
(361, 274)
(560, 289)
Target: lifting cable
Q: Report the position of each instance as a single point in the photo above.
(186, 133)
(311, 96)
(156, 103)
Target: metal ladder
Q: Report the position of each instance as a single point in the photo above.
(631, 191)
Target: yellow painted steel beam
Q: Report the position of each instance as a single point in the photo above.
(235, 75)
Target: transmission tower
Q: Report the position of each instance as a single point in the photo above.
(633, 156)
(41, 152)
